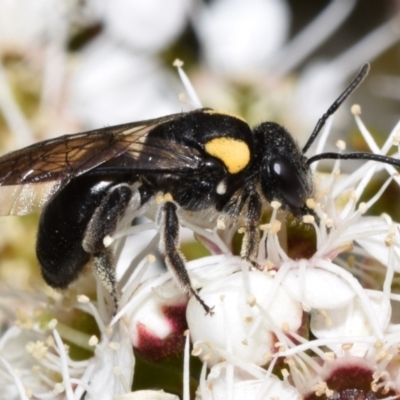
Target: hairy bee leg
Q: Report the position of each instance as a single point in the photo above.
(104, 222)
(103, 265)
(251, 238)
(169, 245)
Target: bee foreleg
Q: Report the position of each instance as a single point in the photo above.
(168, 223)
(251, 238)
(104, 222)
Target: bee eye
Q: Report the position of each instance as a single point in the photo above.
(288, 183)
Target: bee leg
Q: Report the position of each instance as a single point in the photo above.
(251, 238)
(104, 265)
(169, 245)
(104, 222)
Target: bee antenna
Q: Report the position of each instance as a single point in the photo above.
(337, 103)
(355, 156)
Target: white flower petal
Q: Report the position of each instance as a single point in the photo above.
(113, 86)
(318, 288)
(149, 310)
(25, 23)
(311, 102)
(242, 387)
(213, 268)
(238, 327)
(239, 37)
(350, 321)
(146, 25)
(374, 244)
(114, 358)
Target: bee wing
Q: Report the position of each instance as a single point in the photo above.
(30, 176)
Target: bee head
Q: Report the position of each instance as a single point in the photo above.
(285, 174)
(285, 171)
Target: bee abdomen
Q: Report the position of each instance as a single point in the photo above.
(62, 227)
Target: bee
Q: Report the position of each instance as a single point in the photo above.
(199, 161)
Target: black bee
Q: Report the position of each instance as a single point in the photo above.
(199, 161)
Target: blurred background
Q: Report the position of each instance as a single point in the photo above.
(73, 65)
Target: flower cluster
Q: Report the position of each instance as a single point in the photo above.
(318, 319)
(325, 325)
(300, 326)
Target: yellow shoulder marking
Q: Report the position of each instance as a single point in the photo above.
(234, 153)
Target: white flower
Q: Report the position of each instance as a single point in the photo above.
(344, 315)
(251, 315)
(34, 360)
(127, 21)
(238, 41)
(26, 25)
(113, 86)
(223, 382)
(156, 321)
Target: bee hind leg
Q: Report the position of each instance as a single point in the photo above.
(103, 265)
(104, 222)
